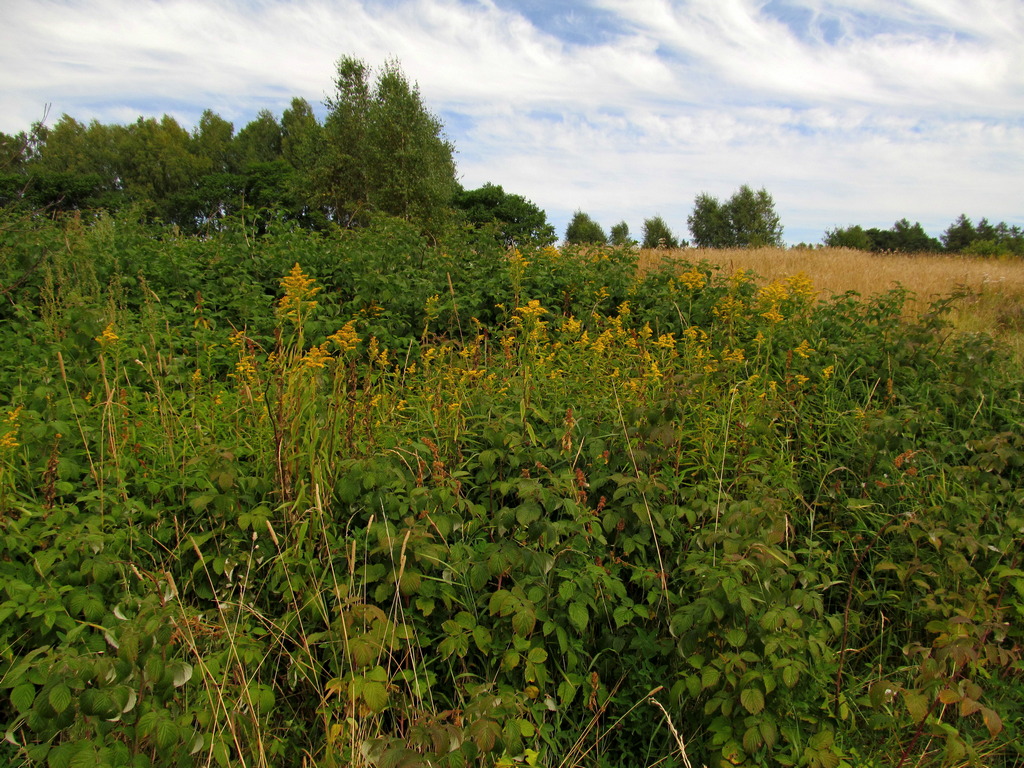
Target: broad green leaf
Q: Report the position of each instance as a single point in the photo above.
(523, 621)
(22, 697)
(752, 700)
(579, 616)
(916, 704)
(375, 695)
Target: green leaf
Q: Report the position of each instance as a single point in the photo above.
(375, 695)
(916, 704)
(579, 616)
(22, 697)
(182, 673)
(752, 740)
(59, 697)
(524, 620)
(709, 677)
(537, 655)
(221, 754)
(752, 700)
(165, 733)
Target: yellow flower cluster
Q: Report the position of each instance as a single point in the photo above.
(299, 290)
(733, 355)
(800, 287)
(9, 440)
(803, 350)
(728, 309)
(108, 338)
(316, 357)
(347, 339)
(693, 280)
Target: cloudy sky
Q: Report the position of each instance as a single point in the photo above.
(863, 111)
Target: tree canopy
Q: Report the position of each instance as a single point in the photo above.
(515, 220)
(583, 230)
(378, 150)
(747, 219)
(658, 235)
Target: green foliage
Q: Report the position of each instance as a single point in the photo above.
(618, 235)
(583, 230)
(383, 151)
(747, 219)
(515, 221)
(658, 235)
(352, 497)
(851, 237)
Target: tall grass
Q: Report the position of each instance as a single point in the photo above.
(994, 288)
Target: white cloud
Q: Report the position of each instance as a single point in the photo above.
(856, 111)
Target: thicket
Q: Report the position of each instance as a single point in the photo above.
(357, 498)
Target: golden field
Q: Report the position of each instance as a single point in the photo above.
(996, 287)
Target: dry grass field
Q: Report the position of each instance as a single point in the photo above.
(996, 287)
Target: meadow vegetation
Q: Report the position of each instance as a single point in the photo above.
(363, 498)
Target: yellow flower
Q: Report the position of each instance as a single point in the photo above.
(728, 308)
(317, 357)
(532, 311)
(827, 372)
(299, 290)
(732, 356)
(346, 338)
(9, 440)
(693, 280)
(800, 286)
(804, 350)
(108, 338)
(666, 341)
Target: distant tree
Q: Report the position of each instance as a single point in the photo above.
(619, 234)
(709, 223)
(747, 219)
(515, 220)
(960, 234)
(583, 230)
(903, 237)
(657, 234)
(383, 150)
(851, 237)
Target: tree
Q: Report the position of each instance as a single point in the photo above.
(212, 140)
(658, 235)
(851, 237)
(583, 230)
(903, 237)
(260, 140)
(301, 136)
(619, 235)
(383, 150)
(960, 234)
(709, 223)
(747, 219)
(516, 221)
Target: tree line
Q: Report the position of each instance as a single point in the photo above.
(746, 220)
(962, 236)
(379, 150)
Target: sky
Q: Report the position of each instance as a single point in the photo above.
(859, 112)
